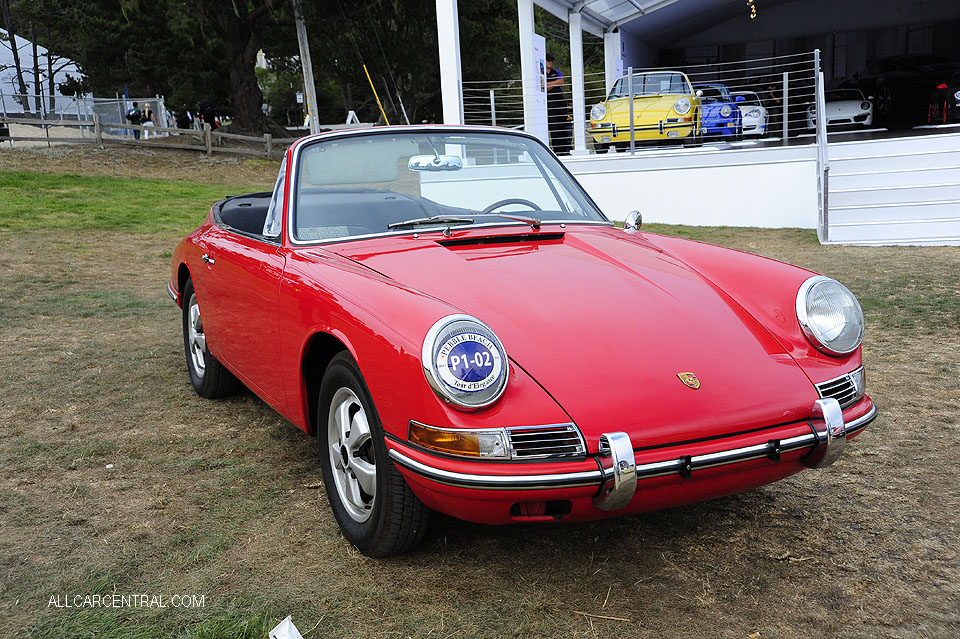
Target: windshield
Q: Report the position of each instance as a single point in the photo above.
(714, 94)
(652, 84)
(396, 182)
(840, 95)
(749, 98)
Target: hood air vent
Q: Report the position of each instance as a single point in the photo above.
(539, 238)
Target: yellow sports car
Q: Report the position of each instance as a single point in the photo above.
(664, 108)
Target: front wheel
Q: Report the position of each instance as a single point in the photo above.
(376, 510)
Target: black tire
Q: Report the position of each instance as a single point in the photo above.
(391, 520)
(601, 147)
(885, 108)
(208, 376)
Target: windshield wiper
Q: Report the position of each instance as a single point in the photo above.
(433, 220)
(526, 219)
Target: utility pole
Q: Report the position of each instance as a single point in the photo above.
(310, 99)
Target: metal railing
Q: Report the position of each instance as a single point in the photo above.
(784, 86)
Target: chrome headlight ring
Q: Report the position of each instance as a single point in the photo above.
(598, 112)
(725, 110)
(682, 106)
(830, 316)
(464, 362)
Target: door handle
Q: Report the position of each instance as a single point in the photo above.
(209, 260)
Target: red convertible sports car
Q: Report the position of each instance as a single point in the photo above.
(463, 330)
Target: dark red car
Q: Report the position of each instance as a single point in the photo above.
(463, 330)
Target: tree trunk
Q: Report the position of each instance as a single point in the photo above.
(51, 85)
(37, 80)
(8, 25)
(238, 30)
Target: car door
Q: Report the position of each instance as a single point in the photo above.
(238, 297)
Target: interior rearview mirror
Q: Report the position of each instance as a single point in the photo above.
(435, 163)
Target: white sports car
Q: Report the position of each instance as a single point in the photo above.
(843, 107)
(754, 114)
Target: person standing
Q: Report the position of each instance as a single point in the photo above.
(557, 121)
(772, 100)
(148, 119)
(133, 117)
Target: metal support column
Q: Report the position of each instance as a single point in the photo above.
(451, 78)
(576, 70)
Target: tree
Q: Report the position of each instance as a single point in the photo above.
(8, 25)
(397, 40)
(238, 25)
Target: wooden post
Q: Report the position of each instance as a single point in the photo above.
(268, 140)
(97, 130)
(208, 138)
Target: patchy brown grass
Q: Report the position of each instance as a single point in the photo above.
(219, 498)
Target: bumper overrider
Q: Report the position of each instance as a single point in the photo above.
(615, 479)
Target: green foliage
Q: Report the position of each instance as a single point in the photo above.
(192, 52)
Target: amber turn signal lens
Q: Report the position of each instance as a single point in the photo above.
(448, 441)
(489, 443)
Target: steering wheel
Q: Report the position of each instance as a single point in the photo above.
(510, 200)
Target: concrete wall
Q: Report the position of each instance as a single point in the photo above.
(773, 187)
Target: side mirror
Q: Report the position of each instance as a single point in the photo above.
(699, 93)
(634, 221)
(870, 97)
(739, 98)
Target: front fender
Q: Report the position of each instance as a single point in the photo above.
(383, 324)
(765, 288)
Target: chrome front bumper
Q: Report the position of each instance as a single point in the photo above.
(617, 473)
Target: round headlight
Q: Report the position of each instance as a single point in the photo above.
(830, 316)
(598, 112)
(864, 106)
(957, 95)
(725, 110)
(464, 362)
(682, 106)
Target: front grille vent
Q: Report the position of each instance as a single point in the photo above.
(540, 442)
(846, 389)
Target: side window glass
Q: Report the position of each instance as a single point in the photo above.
(274, 220)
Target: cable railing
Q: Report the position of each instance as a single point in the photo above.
(776, 102)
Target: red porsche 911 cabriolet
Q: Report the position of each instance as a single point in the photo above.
(463, 330)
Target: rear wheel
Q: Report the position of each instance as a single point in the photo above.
(208, 376)
(376, 510)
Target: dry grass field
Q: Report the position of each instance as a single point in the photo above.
(116, 478)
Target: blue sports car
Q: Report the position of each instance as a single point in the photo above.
(720, 115)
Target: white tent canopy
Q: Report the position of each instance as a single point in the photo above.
(599, 17)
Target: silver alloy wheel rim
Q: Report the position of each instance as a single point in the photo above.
(195, 338)
(351, 454)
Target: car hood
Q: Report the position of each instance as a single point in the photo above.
(644, 106)
(844, 106)
(605, 321)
